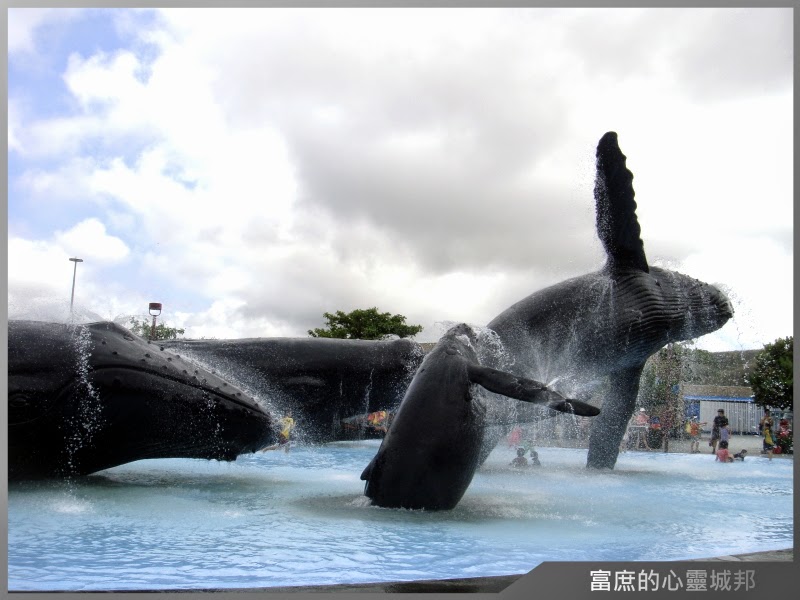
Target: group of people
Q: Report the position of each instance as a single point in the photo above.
(636, 433)
(782, 443)
(724, 455)
(515, 440)
(521, 461)
(720, 436)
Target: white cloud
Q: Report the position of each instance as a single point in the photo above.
(40, 274)
(89, 238)
(24, 22)
(275, 164)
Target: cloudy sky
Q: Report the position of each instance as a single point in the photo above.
(254, 168)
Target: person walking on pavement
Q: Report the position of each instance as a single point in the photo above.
(694, 435)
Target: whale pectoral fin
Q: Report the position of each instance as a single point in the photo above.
(617, 225)
(367, 472)
(576, 407)
(527, 390)
(506, 384)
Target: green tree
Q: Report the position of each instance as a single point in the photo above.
(364, 324)
(143, 328)
(658, 391)
(772, 378)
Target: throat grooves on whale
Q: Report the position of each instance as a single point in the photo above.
(640, 327)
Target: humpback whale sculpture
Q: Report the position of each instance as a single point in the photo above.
(321, 380)
(609, 322)
(430, 453)
(604, 324)
(82, 398)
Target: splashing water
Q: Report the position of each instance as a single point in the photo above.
(251, 384)
(367, 394)
(87, 420)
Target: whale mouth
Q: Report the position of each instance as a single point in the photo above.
(112, 376)
(720, 308)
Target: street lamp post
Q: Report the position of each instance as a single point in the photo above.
(154, 309)
(74, 272)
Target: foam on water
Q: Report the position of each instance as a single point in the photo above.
(296, 518)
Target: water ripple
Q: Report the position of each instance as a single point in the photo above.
(300, 518)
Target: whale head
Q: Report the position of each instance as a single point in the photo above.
(698, 308)
(88, 397)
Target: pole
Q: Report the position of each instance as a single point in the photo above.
(74, 273)
(154, 309)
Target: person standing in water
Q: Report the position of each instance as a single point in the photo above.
(520, 460)
(765, 425)
(723, 455)
(287, 425)
(719, 421)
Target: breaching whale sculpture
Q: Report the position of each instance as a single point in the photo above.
(321, 380)
(82, 398)
(430, 453)
(609, 322)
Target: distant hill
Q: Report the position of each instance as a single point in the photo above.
(720, 368)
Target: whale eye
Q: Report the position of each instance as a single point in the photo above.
(23, 407)
(18, 400)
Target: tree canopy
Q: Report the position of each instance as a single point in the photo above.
(163, 332)
(772, 376)
(364, 324)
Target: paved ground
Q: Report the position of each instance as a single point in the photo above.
(751, 443)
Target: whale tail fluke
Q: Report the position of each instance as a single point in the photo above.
(617, 225)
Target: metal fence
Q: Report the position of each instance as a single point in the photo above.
(743, 417)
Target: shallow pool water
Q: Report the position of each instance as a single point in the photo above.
(299, 518)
